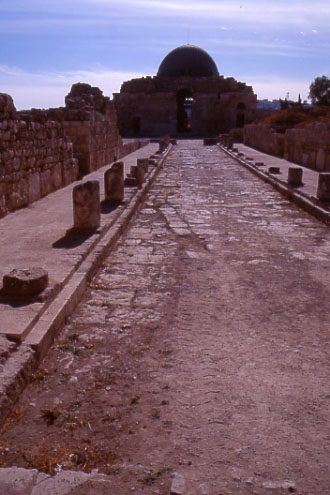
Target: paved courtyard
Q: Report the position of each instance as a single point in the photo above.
(200, 353)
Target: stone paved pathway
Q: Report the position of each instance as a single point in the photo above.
(201, 350)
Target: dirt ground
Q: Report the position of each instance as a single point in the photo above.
(201, 347)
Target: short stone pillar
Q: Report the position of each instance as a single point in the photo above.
(323, 188)
(295, 175)
(25, 282)
(143, 163)
(130, 181)
(138, 172)
(114, 183)
(274, 170)
(230, 143)
(164, 143)
(86, 206)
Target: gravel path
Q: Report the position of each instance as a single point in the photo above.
(200, 353)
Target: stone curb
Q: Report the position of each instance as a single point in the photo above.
(301, 199)
(14, 376)
(17, 370)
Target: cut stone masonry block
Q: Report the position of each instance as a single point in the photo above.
(323, 189)
(295, 175)
(86, 206)
(114, 183)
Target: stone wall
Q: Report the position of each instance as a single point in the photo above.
(35, 158)
(90, 121)
(44, 150)
(309, 146)
(150, 106)
(263, 138)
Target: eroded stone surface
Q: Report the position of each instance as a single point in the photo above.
(114, 183)
(86, 206)
(25, 282)
(17, 481)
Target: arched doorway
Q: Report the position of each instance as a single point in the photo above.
(184, 100)
(240, 115)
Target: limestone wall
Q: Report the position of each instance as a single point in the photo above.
(35, 158)
(89, 119)
(309, 146)
(263, 138)
(44, 150)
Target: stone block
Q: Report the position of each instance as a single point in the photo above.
(130, 181)
(56, 177)
(164, 143)
(320, 160)
(295, 175)
(138, 173)
(25, 282)
(178, 484)
(274, 170)
(34, 187)
(17, 481)
(143, 163)
(45, 182)
(114, 183)
(86, 206)
(69, 171)
(3, 206)
(323, 188)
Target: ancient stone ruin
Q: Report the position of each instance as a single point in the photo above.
(309, 146)
(186, 97)
(36, 157)
(44, 150)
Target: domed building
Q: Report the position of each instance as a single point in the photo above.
(187, 97)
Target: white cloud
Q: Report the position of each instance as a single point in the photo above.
(247, 12)
(45, 90)
(258, 46)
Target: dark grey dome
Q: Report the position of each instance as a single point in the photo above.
(188, 60)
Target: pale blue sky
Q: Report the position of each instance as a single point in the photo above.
(46, 45)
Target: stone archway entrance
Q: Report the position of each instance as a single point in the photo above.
(185, 100)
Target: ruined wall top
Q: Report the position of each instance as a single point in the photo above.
(198, 84)
(7, 107)
(84, 95)
(83, 102)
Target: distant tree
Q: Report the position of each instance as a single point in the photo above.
(284, 104)
(319, 91)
